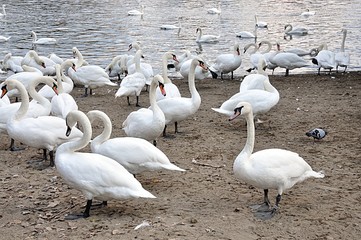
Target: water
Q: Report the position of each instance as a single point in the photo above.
(102, 29)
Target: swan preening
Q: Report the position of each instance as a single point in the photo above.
(274, 168)
(96, 176)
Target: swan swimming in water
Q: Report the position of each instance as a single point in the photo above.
(42, 41)
(269, 168)
(136, 12)
(96, 176)
(215, 10)
(290, 30)
(208, 38)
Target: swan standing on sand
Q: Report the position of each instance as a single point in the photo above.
(270, 168)
(200, 73)
(147, 123)
(256, 54)
(137, 155)
(342, 58)
(43, 132)
(170, 88)
(132, 84)
(255, 80)
(178, 109)
(324, 59)
(261, 100)
(226, 63)
(42, 41)
(95, 175)
(79, 59)
(206, 38)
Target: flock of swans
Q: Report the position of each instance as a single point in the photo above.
(50, 120)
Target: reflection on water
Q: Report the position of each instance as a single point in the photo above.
(102, 29)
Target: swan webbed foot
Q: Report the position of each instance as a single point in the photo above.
(99, 205)
(266, 215)
(85, 93)
(84, 215)
(13, 148)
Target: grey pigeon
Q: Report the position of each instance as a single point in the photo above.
(316, 133)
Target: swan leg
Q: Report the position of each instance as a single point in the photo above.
(319, 69)
(164, 131)
(176, 127)
(137, 104)
(128, 100)
(85, 92)
(345, 69)
(84, 215)
(45, 156)
(287, 72)
(155, 143)
(12, 146)
(269, 213)
(51, 155)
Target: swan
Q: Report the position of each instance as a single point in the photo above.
(4, 101)
(44, 64)
(260, 24)
(4, 39)
(273, 168)
(226, 63)
(79, 59)
(96, 176)
(138, 155)
(62, 103)
(288, 60)
(178, 109)
(255, 80)
(3, 14)
(256, 54)
(43, 132)
(147, 123)
(172, 27)
(137, 12)
(12, 63)
(206, 38)
(132, 84)
(261, 100)
(300, 31)
(342, 58)
(25, 78)
(268, 55)
(65, 84)
(324, 59)
(170, 88)
(307, 13)
(117, 66)
(200, 72)
(303, 52)
(246, 34)
(215, 10)
(42, 41)
(182, 58)
(55, 58)
(91, 77)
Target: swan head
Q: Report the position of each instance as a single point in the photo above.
(198, 30)
(71, 120)
(159, 80)
(4, 90)
(242, 108)
(135, 45)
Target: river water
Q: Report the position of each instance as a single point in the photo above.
(102, 29)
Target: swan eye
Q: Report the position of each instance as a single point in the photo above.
(161, 84)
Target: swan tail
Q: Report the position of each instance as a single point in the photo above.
(111, 84)
(222, 111)
(173, 167)
(214, 74)
(144, 194)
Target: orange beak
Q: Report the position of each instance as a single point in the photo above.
(162, 90)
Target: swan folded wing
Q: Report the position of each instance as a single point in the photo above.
(96, 180)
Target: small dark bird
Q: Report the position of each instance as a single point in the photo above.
(316, 133)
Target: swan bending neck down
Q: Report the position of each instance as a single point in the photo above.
(138, 155)
(109, 179)
(270, 168)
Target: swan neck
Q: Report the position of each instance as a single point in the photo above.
(137, 61)
(248, 147)
(24, 105)
(343, 42)
(59, 81)
(165, 69)
(34, 94)
(269, 47)
(107, 130)
(191, 80)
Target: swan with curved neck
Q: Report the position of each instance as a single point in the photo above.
(179, 109)
(42, 132)
(109, 180)
(206, 38)
(44, 64)
(324, 59)
(300, 31)
(170, 88)
(256, 54)
(79, 62)
(62, 103)
(41, 41)
(132, 84)
(226, 63)
(269, 168)
(342, 58)
(138, 155)
(147, 123)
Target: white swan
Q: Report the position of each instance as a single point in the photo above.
(43, 132)
(12, 63)
(256, 54)
(342, 58)
(137, 12)
(117, 66)
(3, 14)
(25, 78)
(215, 10)
(307, 13)
(138, 155)
(91, 77)
(173, 27)
(147, 123)
(178, 109)
(269, 168)
(226, 63)
(200, 72)
(288, 60)
(79, 59)
(170, 88)
(300, 31)
(4, 39)
(42, 41)
(62, 103)
(55, 58)
(4, 100)
(44, 64)
(132, 84)
(324, 59)
(260, 24)
(247, 34)
(255, 80)
(261, 100)
(182, 58)
(206, 38)
(95, 175)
